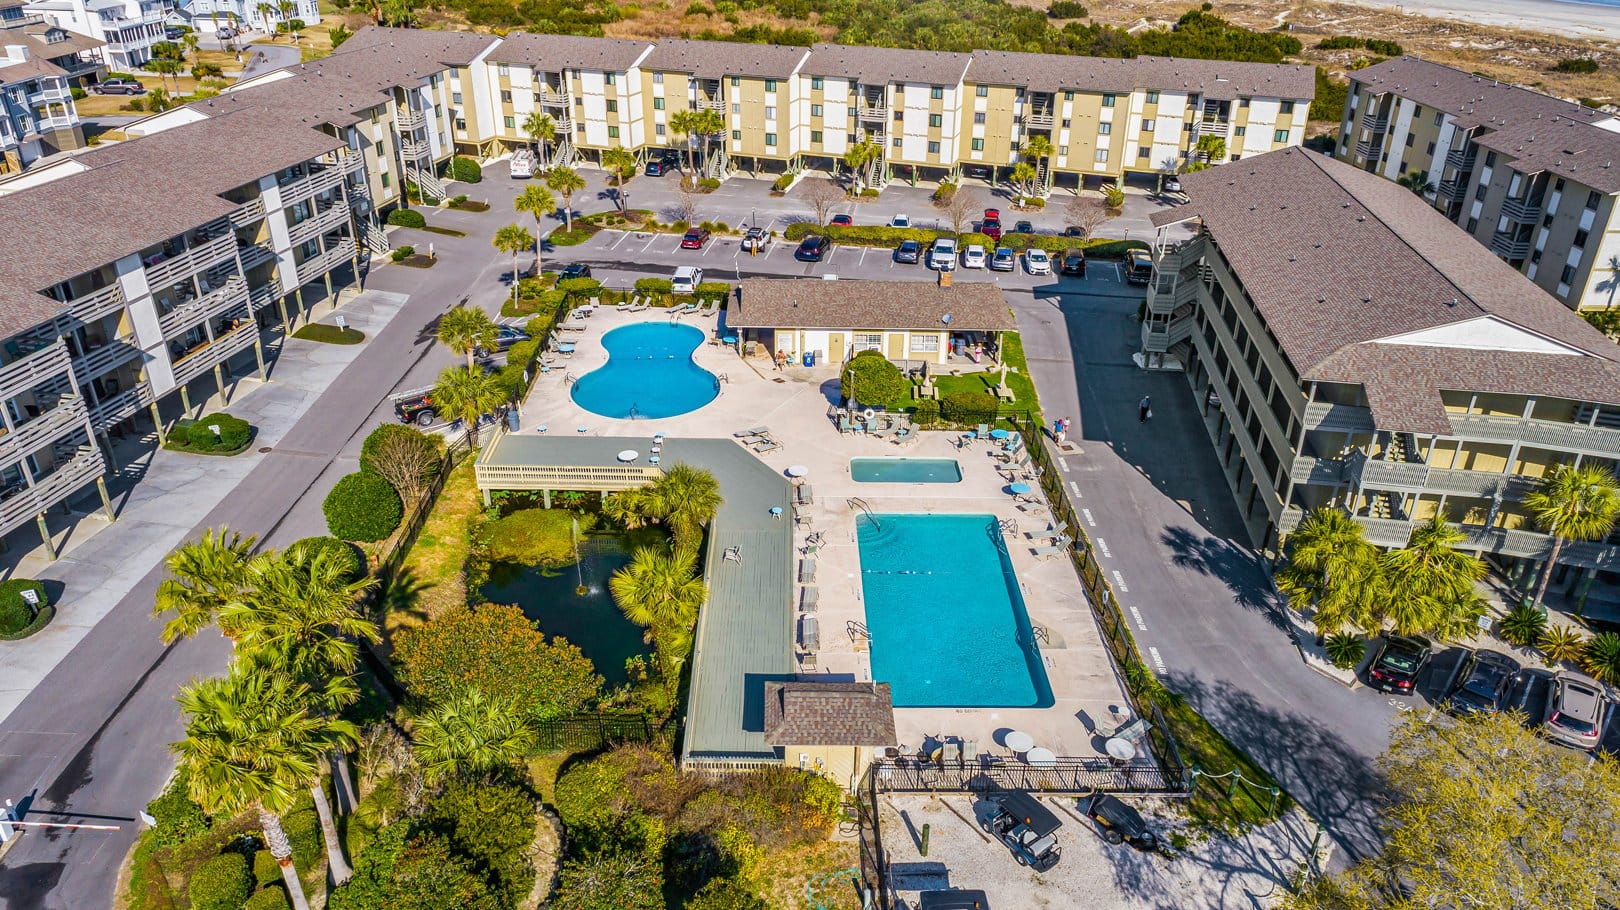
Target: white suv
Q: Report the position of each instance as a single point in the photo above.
(943, 254)
(687, 278)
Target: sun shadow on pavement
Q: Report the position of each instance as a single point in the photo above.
(1233, 565)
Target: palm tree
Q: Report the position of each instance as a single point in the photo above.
(469, 395)
(627, 508)
(1602, 658)
(266, 12)
(1037, 150)
(1430, 580)
(537, 201)
(1346, 649)
(1523, 625)
(165, 67)
(683, 125)
(541, 129)
(859, 155)
(253, 743)
(565, 182)
(285, 9)
(208, 575)
(709, 125)
(686, 499)
(468, 733)
(189, 39)
(465, 329)
(1332, 568)
(1573, 504)
(618, 160)
(1417, 182)
(660, 590)
(1023, 177)
(514, 239)
(1561, 643)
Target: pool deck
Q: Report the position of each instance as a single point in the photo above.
(793, 403)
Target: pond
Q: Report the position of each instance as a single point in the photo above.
(592, 621)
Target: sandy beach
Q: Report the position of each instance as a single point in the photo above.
(1575, 20)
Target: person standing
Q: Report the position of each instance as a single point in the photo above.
(1144, 410)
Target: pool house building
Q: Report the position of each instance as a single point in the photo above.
(834, 320)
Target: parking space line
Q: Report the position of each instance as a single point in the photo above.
(623, 236)
(1102, 547)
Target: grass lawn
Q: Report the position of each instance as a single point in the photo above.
(431, 580)
(330, 334)
(784, 874)
(1204, 746)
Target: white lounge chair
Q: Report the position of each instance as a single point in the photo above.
(810, 634)
(807, 571)
(809, 598)
(752, 431)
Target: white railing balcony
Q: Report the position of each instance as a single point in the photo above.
(415, 151)
(121, 406)
(1342, 418)
(1602, 442)
(30, 370)
(192, 260)
(551, 97)
(264, 295)
(50, 96)
(318, 182)
(248, 213)
(104, 359)
(344, 159)
(255, 253)
(1462, 159)
(316, 266)
(206, 356)
(1524, 211)
(872, 112)
(23, 506)
(97, 304)
(1389, 475)
(1319, 471)
(1039, 120)
(719, 104)
(1503, 244)
(409, 121)
(183, 317)
(1375, 123)
(60, 421)
(43, 124)
(320, 223)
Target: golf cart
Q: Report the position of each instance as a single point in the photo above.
(1026, 827)
(1119, 822)
(952, 900)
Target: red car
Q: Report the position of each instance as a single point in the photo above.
(842, 220)
(991, 225)
(694, 239)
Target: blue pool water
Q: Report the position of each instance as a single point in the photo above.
(948, 624)
(905, 470)
(649, 373)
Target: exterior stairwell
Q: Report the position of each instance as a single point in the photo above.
(718, 165)
(376, 241)
(430, 185)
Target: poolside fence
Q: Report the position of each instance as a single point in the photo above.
(1064, 775)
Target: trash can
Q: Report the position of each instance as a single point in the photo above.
(809, 358)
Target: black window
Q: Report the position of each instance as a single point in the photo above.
(1580, 239)
(1593, 199)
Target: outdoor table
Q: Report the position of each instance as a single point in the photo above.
(1018, 489)
(797, 470)
(776, 511)
(1121, 750)
(999, 434)
(566, 347)
(1019, 741)
(629, 455)
(1041, 757)
(730, 339)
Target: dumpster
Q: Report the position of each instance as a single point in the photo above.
(809, 358)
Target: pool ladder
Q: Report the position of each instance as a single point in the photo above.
(861, 505)
(858, 634)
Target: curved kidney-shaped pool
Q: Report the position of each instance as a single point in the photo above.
(649, 373)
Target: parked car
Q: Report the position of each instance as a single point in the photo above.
(842, 221)
(813, 248)
(754, 240)
(227, 33)
(1483, 682)
(900, 221)
(694, 239)
(956, 899)
(1074, 263)
(909, 251)
(1024, 227)
(1574, 712)
(1120, 822)
(1171, 185)
(118, 86)
(416, 408)
(1400, 659)
(664, 162)
(521, 167)
(173, 32)
(508, 335)
(1003, 260)
(1073, 231)
(1138, 267)
(990, 225)
(686, 280)
(973, 256)
(977, 172)
(1036, 262)
(943, 254)
(574, 270)
(1027, 828)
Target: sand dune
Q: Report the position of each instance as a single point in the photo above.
(1574, 20)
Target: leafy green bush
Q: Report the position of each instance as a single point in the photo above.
(329, 334)
(1523, 625)
(780, 184)
(533, 537)
(403, 253)
(266, 871)
(362, 506)
(14, 617)
(234, 434)
(944, 193)
(1581, 65)
(708, 184)
(1345, 649)
(726, 894)
(1067, 9)
(713, 290)
(410, 218)
(870, 193)
(465, 170)
(577, 288)
(15, 612)
(318, 546)
(221, 883)
(655, 285)
(698, 8)
(1387, 48)
(583, 231)
(968, 407)
(271, 898)
(927, 413)
(178, 818)
(620, 880)
(303, 829)
(78, 94)
(491, 824)
(870, 377)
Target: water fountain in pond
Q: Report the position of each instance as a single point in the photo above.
(579, 565)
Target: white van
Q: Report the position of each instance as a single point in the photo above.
(687, 278)
(522, 164)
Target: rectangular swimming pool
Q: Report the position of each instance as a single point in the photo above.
(948, 624)
(905, 470)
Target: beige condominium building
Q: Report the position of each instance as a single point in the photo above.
(1534, 178)
(928, 114)
(1346, 346)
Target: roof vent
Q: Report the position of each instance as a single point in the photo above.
(1367, 299)
(1321, 299)
(1361, 218)
(1451, 302)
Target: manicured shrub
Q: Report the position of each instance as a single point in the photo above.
(363, 507)
(403, 253)
(329, 334)
(1523, 625)
(655, 285)
(14, 617)
(580, 287)
(342, 549)
(944, 193)
(1345, 650)
(968, 407)
(465, 170)
(491, 824)
(178, 818)
(385, 434)
(303, 828)
(234, 433)
(266, 871)
(533, 537)
(1577, 65)
(927, 413)
(1387, 48)
(711, 290)
(781, 183)
(410, 218)
(1067, 9)
(271, 898)
(221, 883)
(708, 184)
(870, 377)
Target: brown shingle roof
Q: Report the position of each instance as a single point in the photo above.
(829, 714)
(714, 59)
(883, 65)
(553, 53)
(1572, 149)
(809, 303)
(1220, 80)
(1334, 258)
(1471, 100)
(32, 68)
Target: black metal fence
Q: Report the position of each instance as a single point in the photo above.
(589, 732)
(874, 862)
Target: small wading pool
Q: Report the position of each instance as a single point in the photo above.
(905, 470)
(649, 373)
(948, 624)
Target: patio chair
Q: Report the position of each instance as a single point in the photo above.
(970, 752)
(810, 633)
(1058, 548)
(752, 431)
(766, 445)
(845, 425)
(984, 431)
(625, 305)
(807, 661)
(1061, 529)
(805, 495)
(809, 598)
(733, 554)
(689, 308)
(1134, 731)
(710, 308)
(807, 571)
